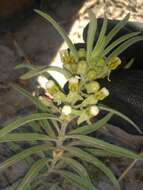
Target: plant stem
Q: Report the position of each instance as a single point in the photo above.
(126, 171)
(62, 134)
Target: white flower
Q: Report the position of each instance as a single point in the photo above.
(105, 91)
(50, 84)
(66, 110)
(94, 110)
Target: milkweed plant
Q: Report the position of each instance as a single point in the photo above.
(65, 118)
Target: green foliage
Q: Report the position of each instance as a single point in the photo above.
(59, 138)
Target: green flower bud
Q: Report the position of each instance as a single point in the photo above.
(90, 100)
(101, 94)
(94, 62)
(92, 87)
(51, 87)
(67, 57)
(83, 117)
(73, 97)
(82, 53)
(114, 63)
(91, 75)
(82, 67)
(73, 68)
(59, 97)
(73, 84)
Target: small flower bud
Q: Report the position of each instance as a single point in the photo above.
(114, 63)
(81, 67)
(101, 94)
(92, 87)
(59, 97)
(67, 57)
(82, 53)
(51, 87)
(90, 100)
(66, 110)
(91, 75)
(94, 110)
(73, 84)
(94, 62)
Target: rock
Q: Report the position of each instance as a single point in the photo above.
(12, 7)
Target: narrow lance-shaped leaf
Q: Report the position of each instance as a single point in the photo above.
(119, 41)
(105, 146)
(24, 120)
(100, 153)
(27, 66)
(41, 71)
(100, 42)
(93, 127)
(49, 129)
(116, 29)
(103, 107)
(24, 154)
(55, 187)
(79, 168)
(28, 95)
(124, 46)
(91, 33)
(25, 137)
(60, 31)
(82, 182)
(32, 173)
(77, 152)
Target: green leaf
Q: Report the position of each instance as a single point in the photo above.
(28, 95)
(60, 31)
(80, 181)
(103, 107)
(32, 173)
(77, 152)
(25, 137)
(47, 128)
(41, 71)
(124, 46)
(105, 146)
(15, 147)
(129, 64)
(55, 187)
(35, 127)
(24, 120)
(91, 33)
(119, 41)
(100, 153)
(26, 66)
(93, 127)
(116, 29)
(83, 117)
(101, 39)
(24, 154)
(75, 165)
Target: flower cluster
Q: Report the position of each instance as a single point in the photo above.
(80, 100)
(92, 69)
